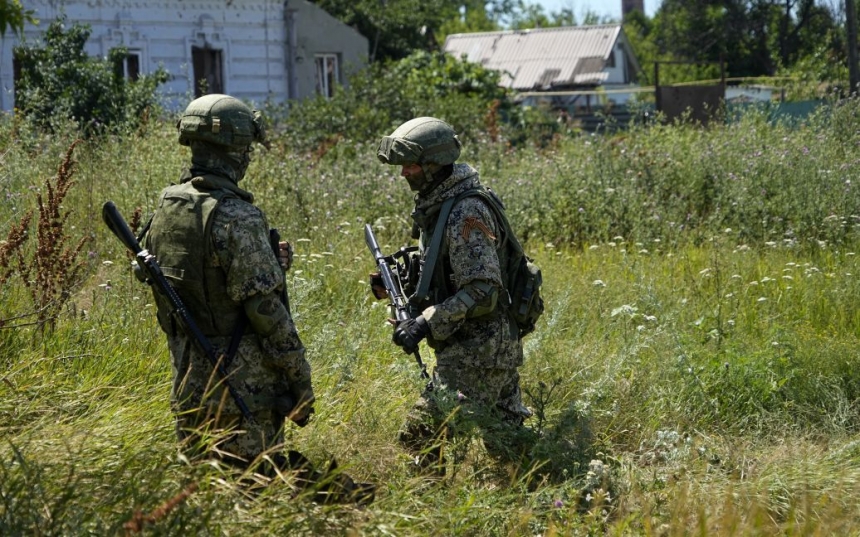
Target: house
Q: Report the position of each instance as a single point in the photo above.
(257, 50)
(570, 66)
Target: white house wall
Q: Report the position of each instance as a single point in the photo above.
(252, 35)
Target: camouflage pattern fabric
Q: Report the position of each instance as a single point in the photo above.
(265, 366)
(476, 356)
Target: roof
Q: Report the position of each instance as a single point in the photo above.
(542, 57)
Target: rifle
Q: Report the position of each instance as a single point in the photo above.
(117, 224)
(399, 304)
(284, 403)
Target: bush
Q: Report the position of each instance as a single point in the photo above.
(59, 80)
(379, 98)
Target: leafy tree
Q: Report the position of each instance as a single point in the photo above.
(394, 28)
(59, 80)
(754, 37)
(13, 16)
(386, 94)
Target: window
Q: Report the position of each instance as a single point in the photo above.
(130, 66)
(208, 71)
(327, 74)
(610, 62)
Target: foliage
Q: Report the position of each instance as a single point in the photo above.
(753, 38)
(50, 269)
(819, 74)
(385, 95)
(394, 29)
(59, 80)
(13, 16)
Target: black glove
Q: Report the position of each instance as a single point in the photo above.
(409, 333)
(303, 396)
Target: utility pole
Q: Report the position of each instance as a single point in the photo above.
(853, 69)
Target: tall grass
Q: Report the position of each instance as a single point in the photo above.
(700, 340)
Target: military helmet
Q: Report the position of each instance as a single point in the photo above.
(221, 120)
(423, 140)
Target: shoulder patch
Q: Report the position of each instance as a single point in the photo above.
(473, 223)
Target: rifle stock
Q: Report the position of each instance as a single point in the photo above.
(117, 224)
(399, 303)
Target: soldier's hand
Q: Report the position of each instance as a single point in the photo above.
(285, 255)
(377, 286)
(409, 333)
(300, 414)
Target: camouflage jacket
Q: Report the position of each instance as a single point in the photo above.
(236, 246)
(467, 324)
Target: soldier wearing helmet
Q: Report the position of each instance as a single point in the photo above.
(458, 300)
(213, 245)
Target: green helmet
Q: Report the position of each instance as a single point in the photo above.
(423, 140)
(221, 120)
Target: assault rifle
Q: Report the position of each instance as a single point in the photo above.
(117, 224)
(391, 281)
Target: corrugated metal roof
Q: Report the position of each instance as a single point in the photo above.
(542, 57)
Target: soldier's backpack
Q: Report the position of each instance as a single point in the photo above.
(523, 279)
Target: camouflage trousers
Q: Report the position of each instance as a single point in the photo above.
(230, 437)
(465, 398)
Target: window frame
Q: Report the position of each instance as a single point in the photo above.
(328, 64)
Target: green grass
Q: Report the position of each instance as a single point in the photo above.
(700, 339)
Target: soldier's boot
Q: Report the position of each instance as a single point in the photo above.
(425, 444)
(331, 486)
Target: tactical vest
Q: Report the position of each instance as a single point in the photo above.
(180, 238)
(441, 285)
(521, 278)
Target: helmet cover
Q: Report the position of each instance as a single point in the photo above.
(221, 120)
(423, 140)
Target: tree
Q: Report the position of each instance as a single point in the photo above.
(60, 80)
(397, 28)
(754, 37)
(394, 28)
(13, 16)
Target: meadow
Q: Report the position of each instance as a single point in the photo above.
(696, 371)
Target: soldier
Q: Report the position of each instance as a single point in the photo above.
(458, 301)
(214, 246)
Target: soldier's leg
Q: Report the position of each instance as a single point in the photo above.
(423, 432)
(504, 435)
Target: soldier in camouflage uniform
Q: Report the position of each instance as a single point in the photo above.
(213, 245)
(464, 318)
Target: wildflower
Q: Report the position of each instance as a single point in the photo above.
(558, 504)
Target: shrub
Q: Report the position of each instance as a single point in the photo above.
(59, 80)
(379, 98)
